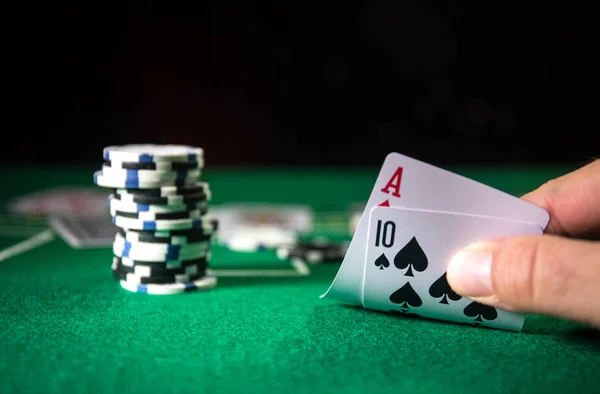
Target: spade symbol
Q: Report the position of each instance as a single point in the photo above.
(406, 296)
(441, 288)
(411, 256)
(479, 311)
(382, 262)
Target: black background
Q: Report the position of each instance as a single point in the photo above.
(300, 82)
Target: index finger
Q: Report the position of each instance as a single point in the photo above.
(573, 201)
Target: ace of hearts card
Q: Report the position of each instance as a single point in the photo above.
(434, 213)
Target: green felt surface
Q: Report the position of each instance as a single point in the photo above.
(66, 326)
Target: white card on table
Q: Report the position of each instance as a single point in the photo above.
(407, 255)
(409, 183)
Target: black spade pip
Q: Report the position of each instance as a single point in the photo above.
(441, 288)
(411, 256)
(406, 296)
(479, 311)
(382, 262)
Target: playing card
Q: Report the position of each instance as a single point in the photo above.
(409, 183)
(65, 201)
(243, 217)
(86, 232)
(407, 256)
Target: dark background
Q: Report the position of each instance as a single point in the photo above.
(301, 82)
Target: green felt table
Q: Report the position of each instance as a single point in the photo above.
(66, 326)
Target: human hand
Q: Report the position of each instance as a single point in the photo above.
(555, 274)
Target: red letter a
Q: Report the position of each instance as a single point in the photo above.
(394, 183)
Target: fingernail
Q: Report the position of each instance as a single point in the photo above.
(470, 273)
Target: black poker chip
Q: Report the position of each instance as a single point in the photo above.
(161, 264)
(157, 280)
(198, 188)
(314, 251)
(160, 270)
(148, 199)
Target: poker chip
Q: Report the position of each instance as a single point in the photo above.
(159, 206)
(160, 166)
(315, 251)
(190, 267)
(114, 181)
(207, 282)
(147, 215)
(122, 206)
(161, 265)
(177, 224)
(166, 200)
(159, 252)
(150, 175)
(169, 237)
(137, 279)
(148, 153)
(140, 276)
(163, 191)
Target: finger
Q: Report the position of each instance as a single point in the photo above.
(547, 274)
(573, 201)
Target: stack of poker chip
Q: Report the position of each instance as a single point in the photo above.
(160, 208)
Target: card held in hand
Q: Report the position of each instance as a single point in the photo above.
(408, 183)
(408, 252)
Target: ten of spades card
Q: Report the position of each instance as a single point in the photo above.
(407, 254)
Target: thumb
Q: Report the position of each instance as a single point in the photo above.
(532, 274)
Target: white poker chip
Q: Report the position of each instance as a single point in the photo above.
(200, 223)
(253, 238)
(160, 248)
(112, 182)
(157, 216)
(153, 256)
(147, 153)
(198, 187)
(149, 175)
(168, 264)
(206, 283)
